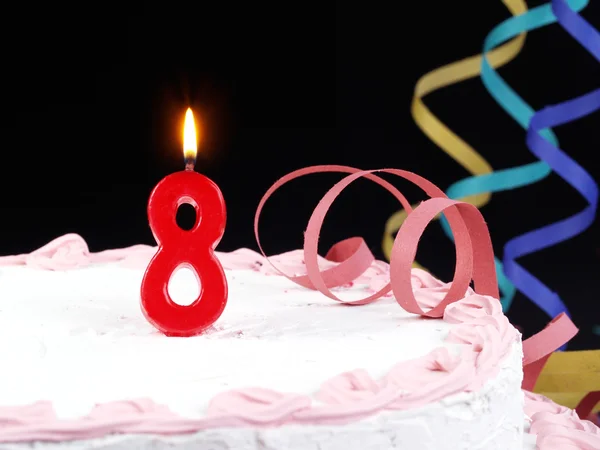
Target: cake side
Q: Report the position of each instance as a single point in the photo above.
(452, 376)
(487, 419)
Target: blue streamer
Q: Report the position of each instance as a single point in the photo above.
(582, 32)
(573, 174)
(562, 164)
(517, 108)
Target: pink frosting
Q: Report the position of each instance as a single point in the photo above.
(557, 427)
(479, 324)
(71, 251)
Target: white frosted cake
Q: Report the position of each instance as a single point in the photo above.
(284, 368)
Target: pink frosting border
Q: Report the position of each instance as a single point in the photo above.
(479, 324)
(557, 427)
(350, 396)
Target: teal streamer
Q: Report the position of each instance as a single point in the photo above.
(521, 112)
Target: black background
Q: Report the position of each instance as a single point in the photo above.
(93, 99)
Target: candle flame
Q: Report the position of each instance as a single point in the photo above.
(190, 143)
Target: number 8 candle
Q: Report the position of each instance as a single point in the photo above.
(192, 248)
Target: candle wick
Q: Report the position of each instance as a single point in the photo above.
(190, 163)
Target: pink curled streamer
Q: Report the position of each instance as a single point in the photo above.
(474, 256)
(473, 244)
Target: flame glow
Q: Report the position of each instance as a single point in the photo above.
(190, 140)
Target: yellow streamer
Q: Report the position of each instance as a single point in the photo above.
(439, 133)
(568, 376)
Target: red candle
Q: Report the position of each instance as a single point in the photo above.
(192, 248)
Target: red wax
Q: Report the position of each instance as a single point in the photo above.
(192, 248)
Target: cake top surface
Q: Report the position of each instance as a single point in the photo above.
(76, 339)
(67, 335)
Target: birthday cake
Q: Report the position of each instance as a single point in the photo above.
(284, 367)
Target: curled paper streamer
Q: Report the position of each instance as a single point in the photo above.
(474, 257)
(519, 110)
(474, 254)
(538, 348)
(450, 142)
(571, 378)
(589, 405)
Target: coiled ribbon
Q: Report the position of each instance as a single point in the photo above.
(566, 378)
(474, 259)
(519, 110)
(450, 142)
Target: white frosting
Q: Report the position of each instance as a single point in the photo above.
(78, 338)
